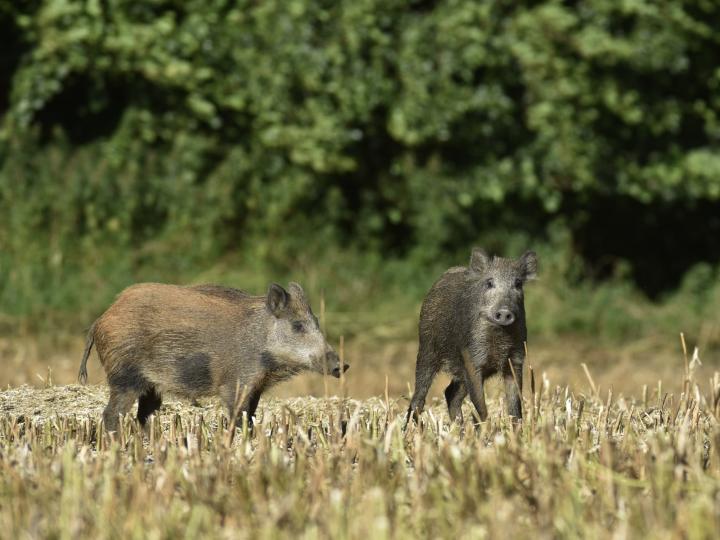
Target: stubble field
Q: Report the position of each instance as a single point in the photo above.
(589, 461)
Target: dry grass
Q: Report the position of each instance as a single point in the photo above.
(611, 455)
(581, 466)
(32, 360)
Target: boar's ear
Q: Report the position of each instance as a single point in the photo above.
(528, 265)
(296, 290)
(277, 299)
(479, 260)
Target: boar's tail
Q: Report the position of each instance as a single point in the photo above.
(82, 374)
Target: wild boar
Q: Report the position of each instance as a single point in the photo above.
(472, 326)
(204, 340)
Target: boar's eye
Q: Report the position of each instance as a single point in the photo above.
(489, 284)
(518, 283)
(298, 326)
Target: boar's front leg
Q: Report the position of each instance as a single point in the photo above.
(513, 387)
(474, 384)
(241, 399)
(250, 406)
(454, 395)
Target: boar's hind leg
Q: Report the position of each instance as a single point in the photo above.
(425, 371)
(120, 403)
(454, 395)
(148, 403)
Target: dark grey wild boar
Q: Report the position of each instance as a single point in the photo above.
(472, 326)
(204, 340)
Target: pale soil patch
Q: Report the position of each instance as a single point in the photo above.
(42, 404)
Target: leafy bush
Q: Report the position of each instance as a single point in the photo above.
(163, 134)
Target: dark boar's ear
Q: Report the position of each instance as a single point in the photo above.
(277, 299)
(528, 265)
(479, 260)
(296, 290)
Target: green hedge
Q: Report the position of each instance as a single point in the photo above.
(188, 129)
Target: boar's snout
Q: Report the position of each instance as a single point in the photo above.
(333, 364)
(503, 317)
(336, 371)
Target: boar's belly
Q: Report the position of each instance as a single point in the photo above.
(185, 374)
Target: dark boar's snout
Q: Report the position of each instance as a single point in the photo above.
(336, 371)
(502, 316)
(333, 364)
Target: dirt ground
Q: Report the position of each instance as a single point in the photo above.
(380, 366)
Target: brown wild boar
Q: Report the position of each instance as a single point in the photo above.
(204, 340)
